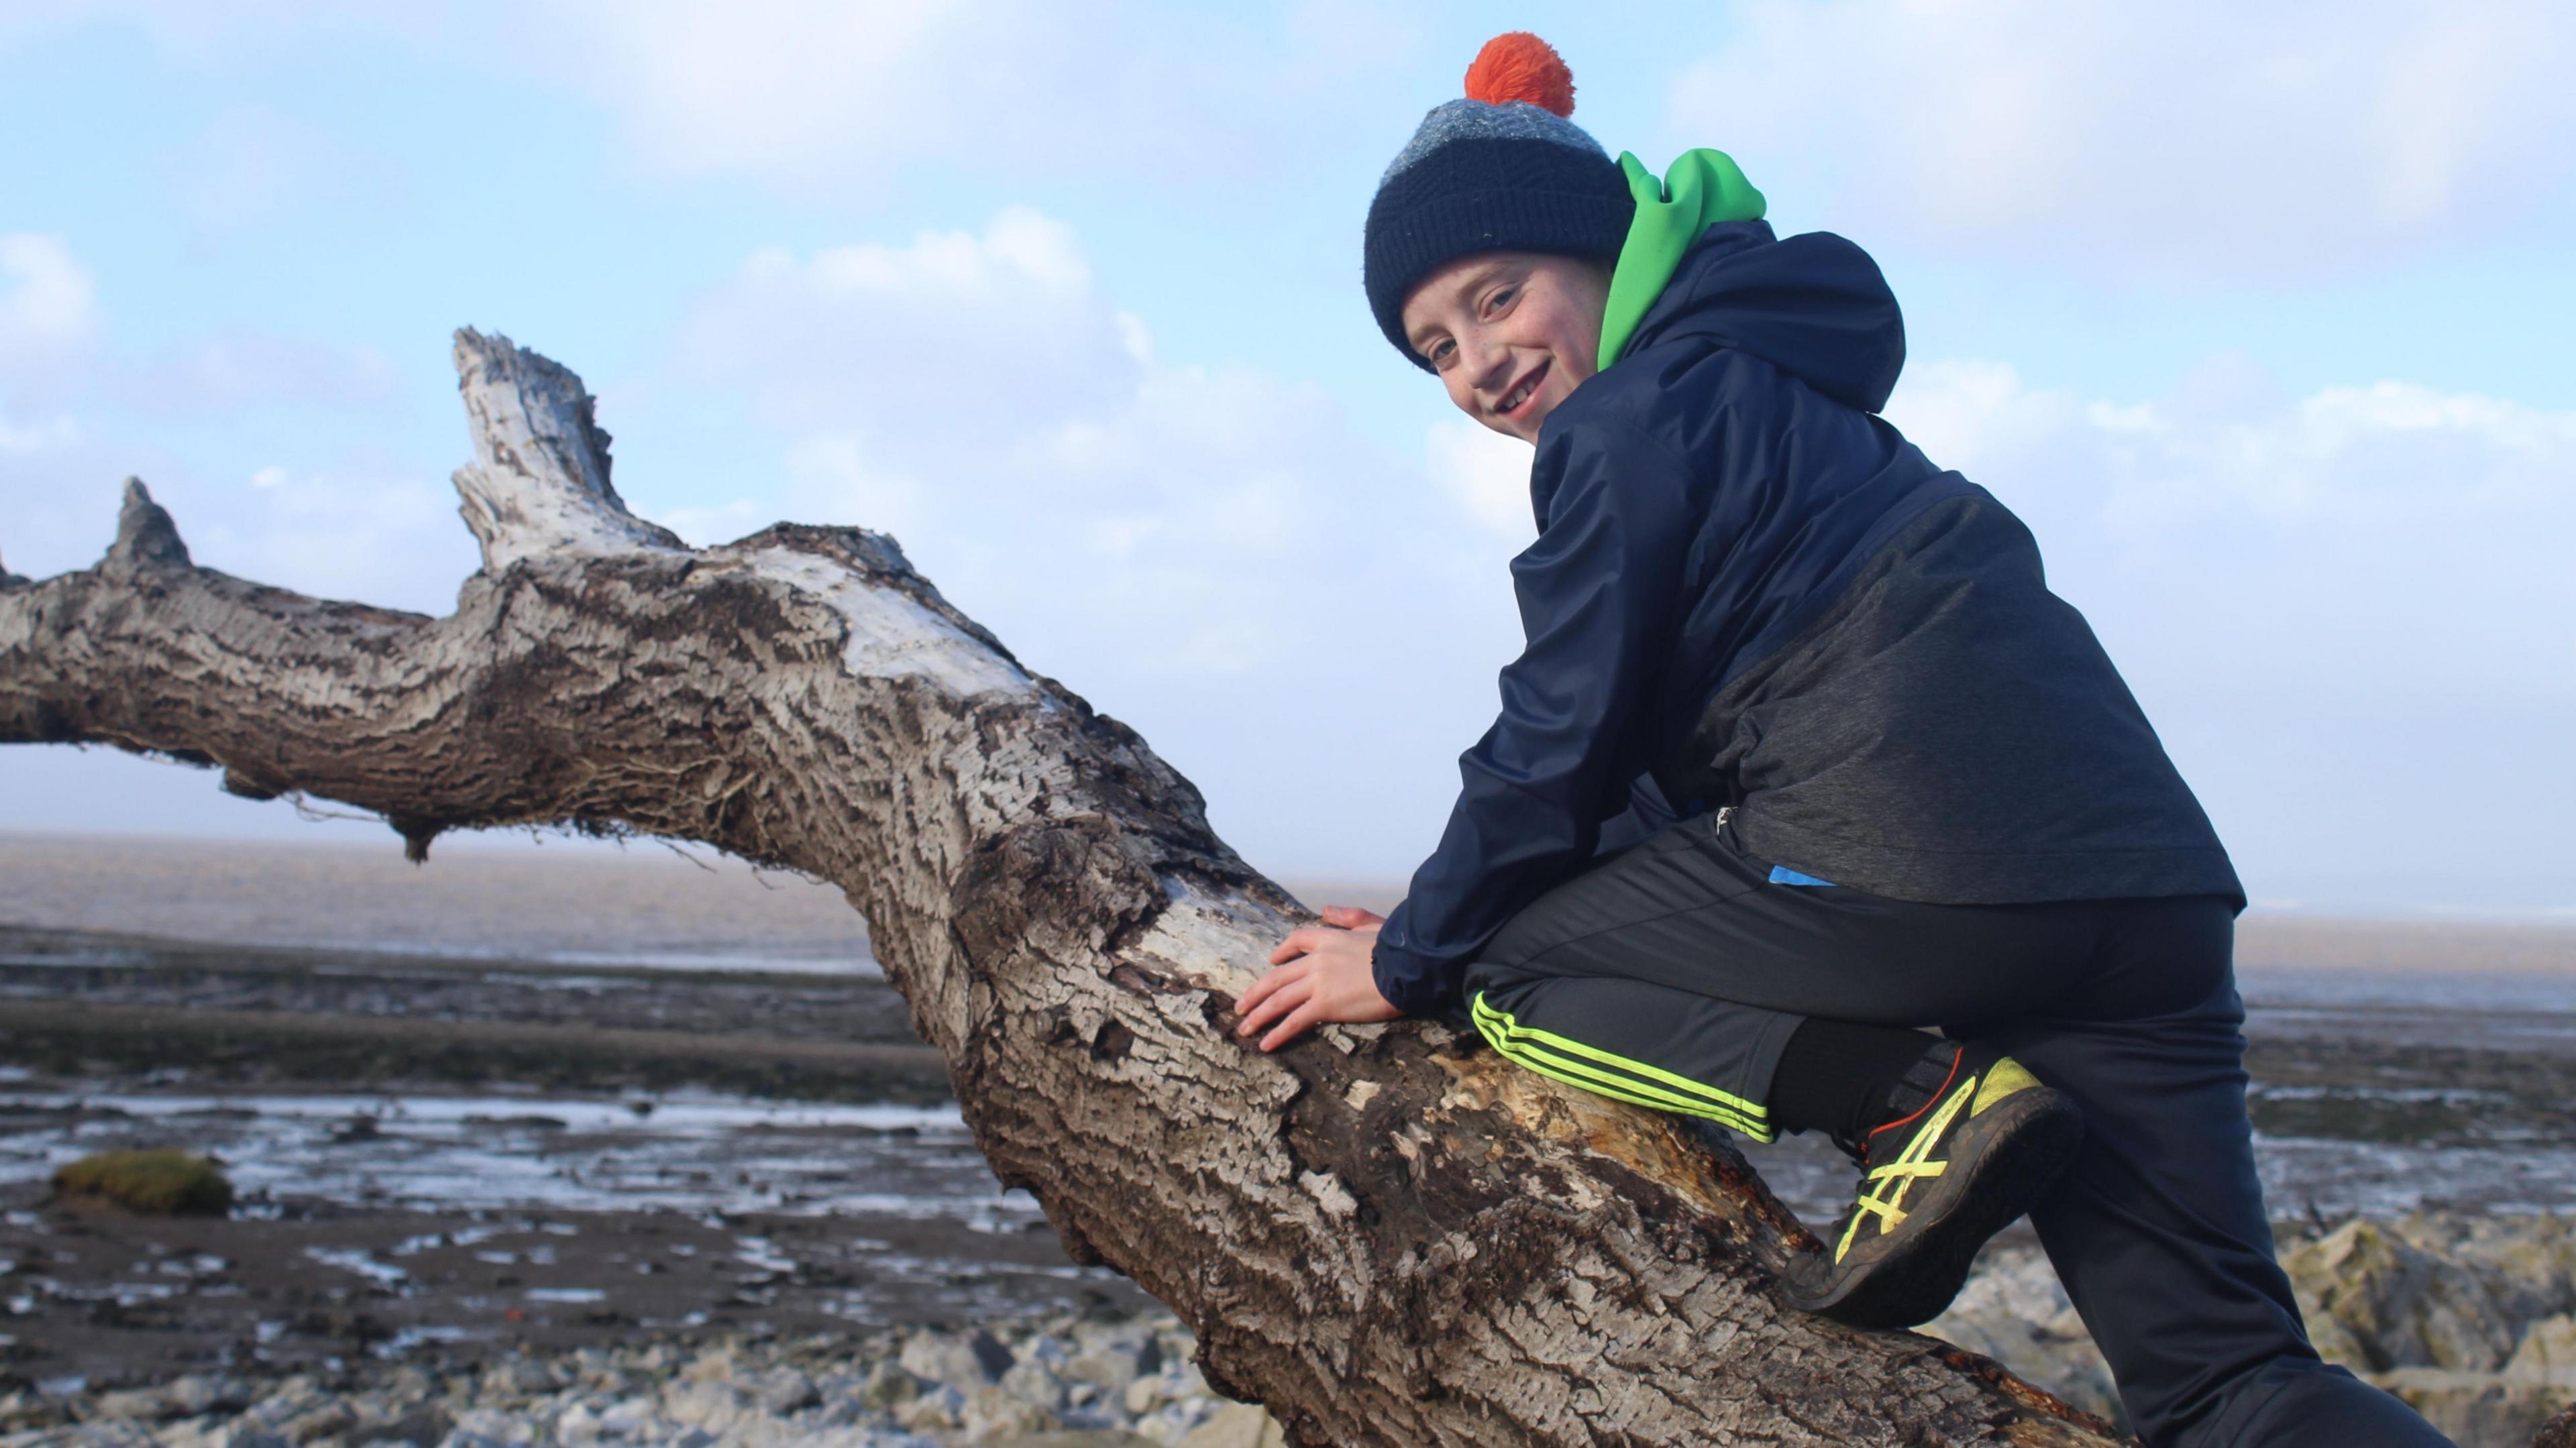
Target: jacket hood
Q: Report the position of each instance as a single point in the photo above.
(1813, 306)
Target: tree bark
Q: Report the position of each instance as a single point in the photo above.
(1386, 1234)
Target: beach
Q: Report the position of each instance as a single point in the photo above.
(522, 1106)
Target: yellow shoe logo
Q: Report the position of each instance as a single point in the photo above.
(2007, 1077)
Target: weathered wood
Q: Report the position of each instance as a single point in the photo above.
(1385, 1233)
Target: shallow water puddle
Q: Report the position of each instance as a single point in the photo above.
(686, 1153)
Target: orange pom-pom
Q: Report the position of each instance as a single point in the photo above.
(1521, 67)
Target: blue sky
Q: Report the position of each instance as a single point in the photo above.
(2258, 314)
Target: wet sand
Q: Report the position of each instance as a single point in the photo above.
(80, 1004)
(101, 1298)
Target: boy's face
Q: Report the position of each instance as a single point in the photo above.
(1511, 333)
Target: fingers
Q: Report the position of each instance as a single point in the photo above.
(1351, 917)
(1289, 994)
(1260, 990)
(1299, 1021)
(1299, 942)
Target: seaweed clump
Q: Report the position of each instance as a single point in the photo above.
(163, 1183)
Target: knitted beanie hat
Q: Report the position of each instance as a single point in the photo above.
(1500, 170)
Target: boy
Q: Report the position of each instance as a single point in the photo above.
(1802, 759)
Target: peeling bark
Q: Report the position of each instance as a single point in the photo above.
(1385, 1233)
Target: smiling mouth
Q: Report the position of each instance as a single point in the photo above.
(1527, 389)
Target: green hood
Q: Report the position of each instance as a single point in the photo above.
(1703, 188)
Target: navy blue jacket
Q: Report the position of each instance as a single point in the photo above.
(1748, 590)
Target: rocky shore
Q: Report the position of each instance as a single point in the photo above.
(496, 1200)
(2470, 1319)
(1065, 1382)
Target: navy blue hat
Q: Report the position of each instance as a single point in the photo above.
(1500, 170)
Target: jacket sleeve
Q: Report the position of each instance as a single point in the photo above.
(1599, 595)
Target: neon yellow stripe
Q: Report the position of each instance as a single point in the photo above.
(1537, 1058)
(1530, 1061)
(1595, 1053)
(1516, 1046)
(1533, 1054)
(1555, 1071)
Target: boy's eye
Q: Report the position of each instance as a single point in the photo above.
(1500, 300)
(1440, 351)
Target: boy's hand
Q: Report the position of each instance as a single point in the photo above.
(1322, 974)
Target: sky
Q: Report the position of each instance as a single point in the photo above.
(2257, 314)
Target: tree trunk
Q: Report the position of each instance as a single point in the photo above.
(1387, 1234)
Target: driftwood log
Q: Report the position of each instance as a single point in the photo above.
(1386, 1234)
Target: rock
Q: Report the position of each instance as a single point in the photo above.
(960, 1360)
(702, 1404)
(1080, 1438)
(489, 1428)
(162, 1182)
(291, 1398)
(1034, 1385)
(329, 1419)
(631, 1418)
(2015, 1311)
(715, 1365)
(1237, 1425)
(2396, 1305)
(421, 1425)
(936, 1410)
(992, 1413)
(1109, 1371)
(107, 1433)
(2475, 1410)
(133, 1404)
(889, 1384)
(201, 1393)
(577, 1426)
(2547, 1353)
(786, 1390)
(1178, 1381)
(2558, 1432)
(23, 1411)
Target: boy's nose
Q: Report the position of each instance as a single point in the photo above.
(1494, 369)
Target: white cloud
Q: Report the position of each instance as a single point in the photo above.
(2341, 478)
(1487, 474)
(2195, 138)
(48, 305)
(832, 98)
(2346, 612)
(795, 88)
(352, 526)
(976, 395)
(351, 529)
(813, 94)
(815, 97)
(1000, 328)
(830, 479)
(1215, 552)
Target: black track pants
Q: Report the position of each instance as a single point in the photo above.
(1673, 974)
